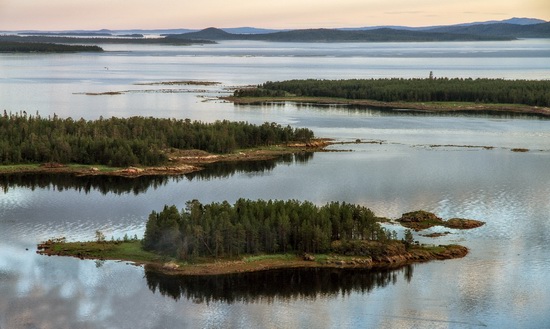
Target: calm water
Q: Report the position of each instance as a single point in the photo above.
(501, 283)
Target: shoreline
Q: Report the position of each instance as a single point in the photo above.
(181, 162)
(422, 107)
(249, 263)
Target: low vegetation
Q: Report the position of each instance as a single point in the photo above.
(102, 250)
(420, 220)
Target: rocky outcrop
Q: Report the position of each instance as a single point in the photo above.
(415, 255)
(420, 220)
(462, 223)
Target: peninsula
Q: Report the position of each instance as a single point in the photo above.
(430, 95)
(139, 146)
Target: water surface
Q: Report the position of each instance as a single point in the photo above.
(456, 166)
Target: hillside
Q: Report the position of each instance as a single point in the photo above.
(334, 35)
(541, 30)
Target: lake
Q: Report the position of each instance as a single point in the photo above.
(455, 166)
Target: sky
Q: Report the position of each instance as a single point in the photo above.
(291, 14)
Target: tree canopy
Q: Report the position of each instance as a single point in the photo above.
(128, 141)
(34, 47)
(526, 92)
(250, 227)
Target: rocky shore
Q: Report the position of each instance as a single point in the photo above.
(427, 107)
(131, 252)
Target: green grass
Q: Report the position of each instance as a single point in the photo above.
(119, 250)
(432, 249)
(257, 258)
(321, 258)
(18, 167)
(14, 168)
(102, 168)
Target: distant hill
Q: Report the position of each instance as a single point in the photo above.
(514, 20)
(250, 30)
(540, 30)
(516, 27)
(333, 35)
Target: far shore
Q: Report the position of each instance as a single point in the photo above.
(131, 252)
(426, 107)
(180, 162)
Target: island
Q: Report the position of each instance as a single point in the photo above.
(42, 47)
(419, 95)
(138, 146)
(248, 236)
(421, 220)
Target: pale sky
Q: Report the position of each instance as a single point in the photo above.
(293, 14)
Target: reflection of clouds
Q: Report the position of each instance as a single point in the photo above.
(501, 282)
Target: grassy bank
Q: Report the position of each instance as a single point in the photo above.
(131, 251)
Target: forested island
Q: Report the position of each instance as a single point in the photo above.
(35, 47)
(80, 40)
(137, 141)
(257, 235)
(429, 94)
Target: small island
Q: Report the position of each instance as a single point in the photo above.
(420, 220)
(220, 238)
(429, 95)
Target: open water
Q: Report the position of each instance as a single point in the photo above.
(419, 162)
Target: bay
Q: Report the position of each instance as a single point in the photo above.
(418, 162)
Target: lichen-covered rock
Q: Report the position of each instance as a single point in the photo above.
(462, 223)
(419, 216)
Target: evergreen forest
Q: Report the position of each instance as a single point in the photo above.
(252, 227)
(128, 141)
(33, 47)
(495, 91)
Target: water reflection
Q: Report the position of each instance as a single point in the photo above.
(139, 185)
(228, 169)
(266, 286)
(374, 111)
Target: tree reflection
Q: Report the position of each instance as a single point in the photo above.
(138, 185)
(266, 286)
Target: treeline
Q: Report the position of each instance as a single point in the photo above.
(336, 35)
(250, 227)
(527, 92)
(103, 40)
(32, 47)
(128, 141)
